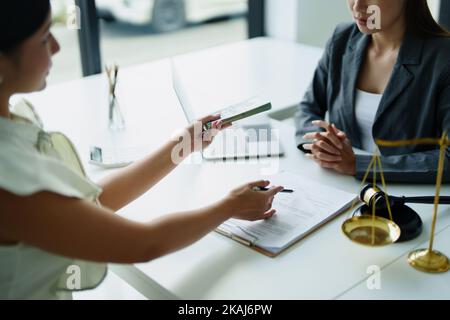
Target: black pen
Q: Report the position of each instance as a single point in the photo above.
(267, 189)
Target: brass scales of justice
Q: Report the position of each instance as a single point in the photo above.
(372, 230)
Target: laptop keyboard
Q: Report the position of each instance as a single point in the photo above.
(244, 142)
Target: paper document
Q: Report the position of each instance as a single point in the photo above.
(299, 213)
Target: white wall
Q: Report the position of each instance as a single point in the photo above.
(318, 18)
(305, 21)
(310, 21)
(282, 19)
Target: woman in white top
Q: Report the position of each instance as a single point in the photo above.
(55, 222)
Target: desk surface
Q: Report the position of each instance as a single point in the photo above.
(324, 265)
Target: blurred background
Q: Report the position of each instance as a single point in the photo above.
(130, 32)
(137, 31)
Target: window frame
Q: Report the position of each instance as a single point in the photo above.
(89, 38)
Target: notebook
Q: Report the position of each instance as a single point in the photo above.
(310, 206)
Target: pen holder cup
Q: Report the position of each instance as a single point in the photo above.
(116, 120)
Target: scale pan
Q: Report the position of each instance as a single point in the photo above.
(370, 231)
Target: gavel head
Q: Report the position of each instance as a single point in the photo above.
(372, 195)
(406, 218)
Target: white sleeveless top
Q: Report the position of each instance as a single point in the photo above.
(32, 160)
(366, 107)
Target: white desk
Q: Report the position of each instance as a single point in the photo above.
(325, 265)
(279, 71)
(400, 283)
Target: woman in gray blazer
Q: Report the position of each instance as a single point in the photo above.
(380, 79)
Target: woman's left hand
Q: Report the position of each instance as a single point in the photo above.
(331, 149)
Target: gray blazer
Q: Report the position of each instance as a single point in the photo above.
(415, 104)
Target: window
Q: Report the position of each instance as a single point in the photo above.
(137, 31)
(129, 32)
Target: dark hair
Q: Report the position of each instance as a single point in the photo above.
(420, 20)
(20, 19)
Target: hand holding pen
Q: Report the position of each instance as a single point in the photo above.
(246, 204)
(267, 189)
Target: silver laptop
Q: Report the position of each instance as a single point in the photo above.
(253, 139)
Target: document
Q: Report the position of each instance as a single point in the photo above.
(299, 213)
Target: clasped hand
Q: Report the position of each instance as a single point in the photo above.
(331, 149)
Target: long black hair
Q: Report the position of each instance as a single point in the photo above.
(420, 20)
(19, 19)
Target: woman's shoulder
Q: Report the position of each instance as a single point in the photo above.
(25, 171)
(437, 47)
(438, 43)
(343, 35)
(435, 54)
(346, 30)
(19, 167)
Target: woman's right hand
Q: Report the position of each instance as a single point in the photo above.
(331, 149)
(248, 204)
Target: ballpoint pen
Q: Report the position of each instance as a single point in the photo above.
(267, 189)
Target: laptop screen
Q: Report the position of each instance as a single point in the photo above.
(181, 94)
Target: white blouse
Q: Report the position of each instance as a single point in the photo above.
(366, 107)
(32, 160)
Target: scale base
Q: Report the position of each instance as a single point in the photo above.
(429, 261)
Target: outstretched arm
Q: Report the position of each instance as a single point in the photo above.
(131, 182)
(78, 229)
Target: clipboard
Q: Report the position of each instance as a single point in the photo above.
(322, 210)
(248, 243)
(269, 254)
